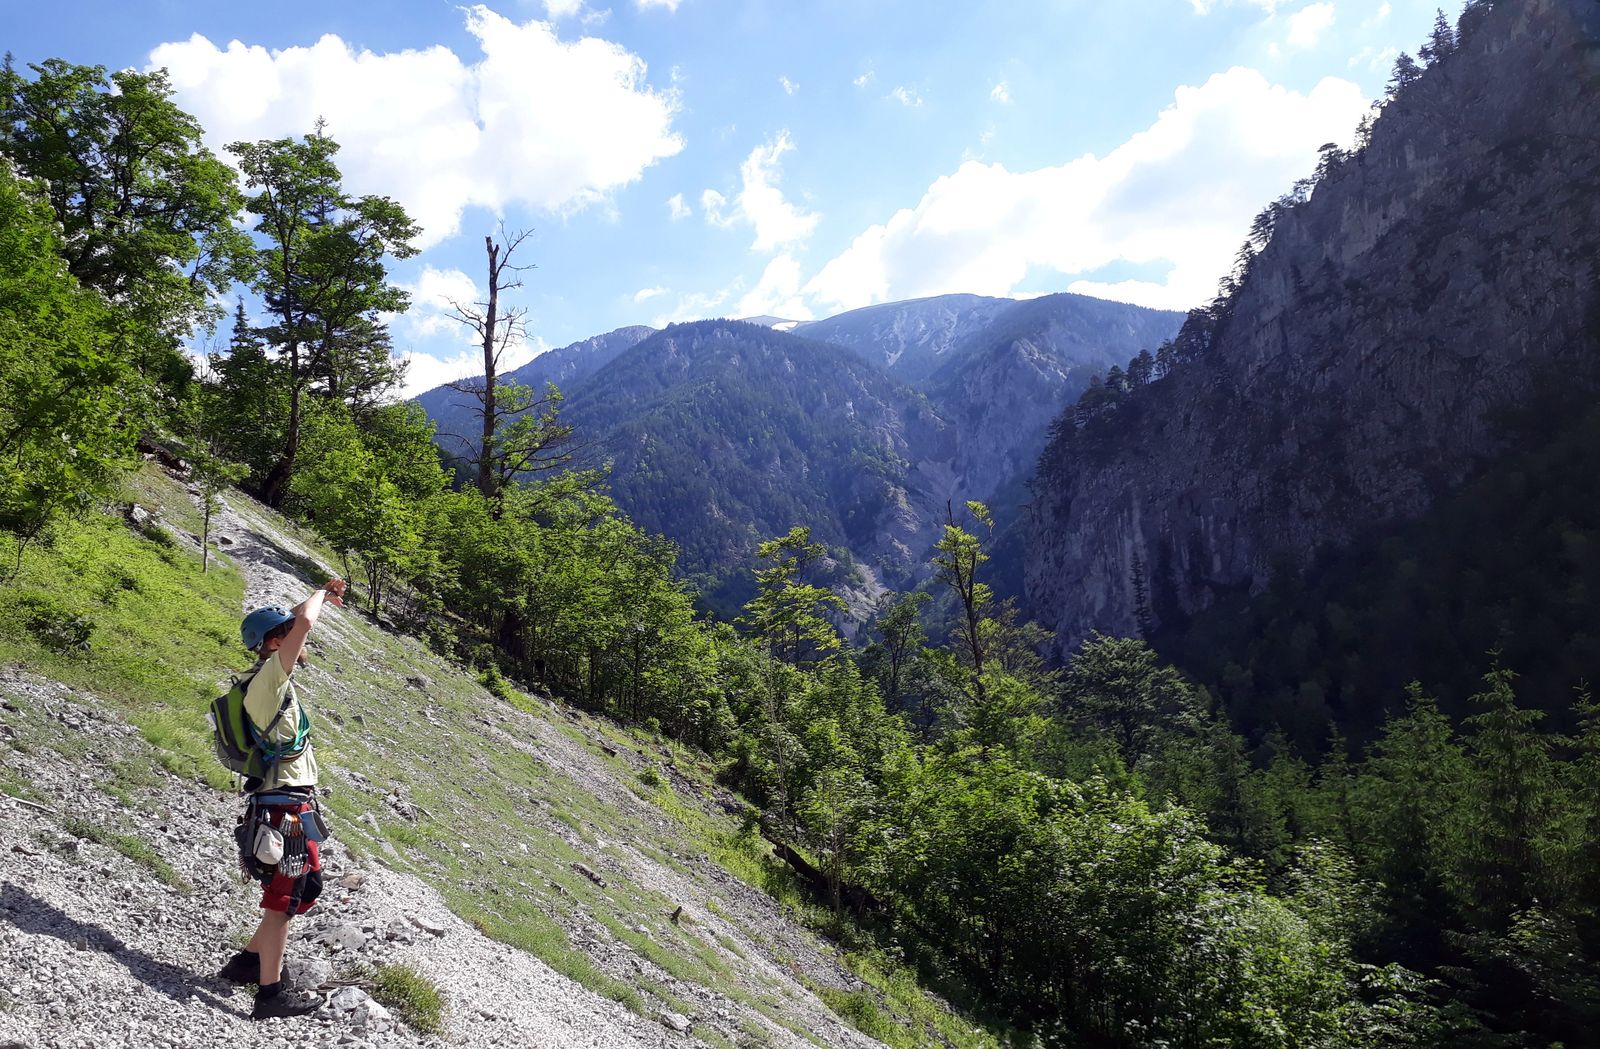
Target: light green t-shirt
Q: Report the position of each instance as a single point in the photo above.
(261, 701)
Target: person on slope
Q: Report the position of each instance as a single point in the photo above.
(284, 798)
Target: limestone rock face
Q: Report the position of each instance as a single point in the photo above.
(1429, 282)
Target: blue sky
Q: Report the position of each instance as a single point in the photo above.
(689, 158)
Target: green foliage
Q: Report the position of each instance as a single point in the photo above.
(128, 593)
(1119, 686)
(414, 997)
(320, 268)
(786, 613)
(56, 627)
(70, 404)
(146, 211)
(347, 492)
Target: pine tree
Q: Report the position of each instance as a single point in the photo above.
(1441, 41)
(1406, 72)
(1513, 785)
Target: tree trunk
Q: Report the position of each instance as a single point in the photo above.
(486, 476)
(275, 489)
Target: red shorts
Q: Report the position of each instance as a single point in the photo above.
(299, 891)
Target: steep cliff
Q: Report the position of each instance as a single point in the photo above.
(1355, 374)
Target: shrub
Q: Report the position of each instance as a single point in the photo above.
(55, 626)
(408, 993)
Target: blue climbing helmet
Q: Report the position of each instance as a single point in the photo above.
(258, 624)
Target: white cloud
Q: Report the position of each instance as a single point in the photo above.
(1205, 7)
(789, 86)
(562, 8)
(1377, 59)
(535, 121)
(670, 5)
(1380, 16)
(1307, 25)
(424, 371)
(432, 292)
(1001, 92)
(906, 96)
(646, 294)
(864, 79)
(677, 208)
(777, 292)
(698, 306)
(429, 320)
(760, 203)
(1180, 193)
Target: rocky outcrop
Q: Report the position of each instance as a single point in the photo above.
(1355, 376)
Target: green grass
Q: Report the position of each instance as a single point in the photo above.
(408, 993)
(136, 849)
(530, 930)
(860, 1010)
(151, 488)
(162, 636)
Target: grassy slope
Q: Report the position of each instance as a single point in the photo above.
(493, 801)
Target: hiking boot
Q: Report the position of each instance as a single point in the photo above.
(244, 967)
(280, 1000)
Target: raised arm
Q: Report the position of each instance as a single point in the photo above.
(305, 617)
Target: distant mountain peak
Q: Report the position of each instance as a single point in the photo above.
(767, 320)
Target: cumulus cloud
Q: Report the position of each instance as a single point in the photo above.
(1180, 194)
(669, 5)
(789, 86)
(432, 292)
(562, 8)
(646, 294)
(677, 208)
(1205, 7)
(759, 203)
(777, 292)
(428, 320)
(698, 306)
(535, 120)
(906, 96)
(1307, 25)
(1001, 92)
(1377, 59)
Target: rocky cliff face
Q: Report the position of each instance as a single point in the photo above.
(1356, 374)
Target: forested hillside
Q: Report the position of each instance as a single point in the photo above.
(456, 413)
(1083, 850)
(948, 399)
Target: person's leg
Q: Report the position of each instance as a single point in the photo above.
(271, 937)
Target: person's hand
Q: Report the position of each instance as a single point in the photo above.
(335, 590)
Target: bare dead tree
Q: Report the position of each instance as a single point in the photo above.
(520, 431)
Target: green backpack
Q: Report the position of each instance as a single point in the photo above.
(240, 746)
